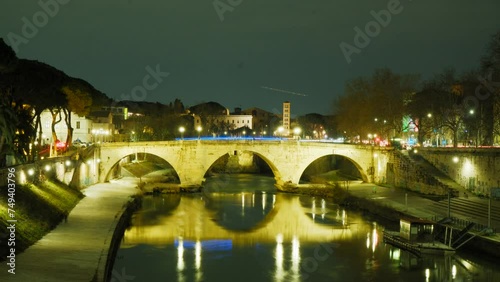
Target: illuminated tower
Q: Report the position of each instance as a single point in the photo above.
(286, 118)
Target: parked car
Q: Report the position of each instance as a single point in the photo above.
(45, 149)
(79, 144)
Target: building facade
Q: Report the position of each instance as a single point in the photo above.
(222, 124)
(82, 128)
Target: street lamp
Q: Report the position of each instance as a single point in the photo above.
(181, 130)
(297, 131)
(198, 128)
(280, 131)
(106, 134)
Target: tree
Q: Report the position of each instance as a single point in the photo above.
(8, 122)
(79, 102)
(489, 89)
(390, 94)
(37, 86)
(443, 97)
(15, 129)
(8, 58)
(422, 108)
(353, 110)
(375, 105)
(312, 124)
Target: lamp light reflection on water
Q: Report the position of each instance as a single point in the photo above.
(197, 260)
(323, 208)
(395, 254)
(280, 274)
(197, 255)
(180, 255)
(374, 239)
(295, 255)
(344, 218)
(313, 207)
(242, 204)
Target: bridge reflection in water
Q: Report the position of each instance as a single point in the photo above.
(198, 224)
(196, 219)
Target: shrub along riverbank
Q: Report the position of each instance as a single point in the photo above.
(39, 208)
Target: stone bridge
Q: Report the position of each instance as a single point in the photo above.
(191, 159)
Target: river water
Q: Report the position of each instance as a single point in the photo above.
(240, 229)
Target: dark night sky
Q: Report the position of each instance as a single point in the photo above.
(291, 45)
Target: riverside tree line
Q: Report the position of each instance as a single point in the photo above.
(461, 107)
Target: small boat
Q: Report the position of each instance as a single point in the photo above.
(417, 236)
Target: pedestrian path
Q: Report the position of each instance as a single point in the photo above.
(72, 251)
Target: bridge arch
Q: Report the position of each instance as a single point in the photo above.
(140, 164)
(270, 164)
(355, 164)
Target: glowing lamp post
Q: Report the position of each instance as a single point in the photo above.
(181, 130)
(198, 128)
(280, 131)
(297, 131)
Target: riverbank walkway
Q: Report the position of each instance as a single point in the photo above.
(74, 250)
(413, 204)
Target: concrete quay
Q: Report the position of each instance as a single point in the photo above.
(77, 250)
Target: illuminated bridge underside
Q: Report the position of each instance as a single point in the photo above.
(287, 159)
(192, 221)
